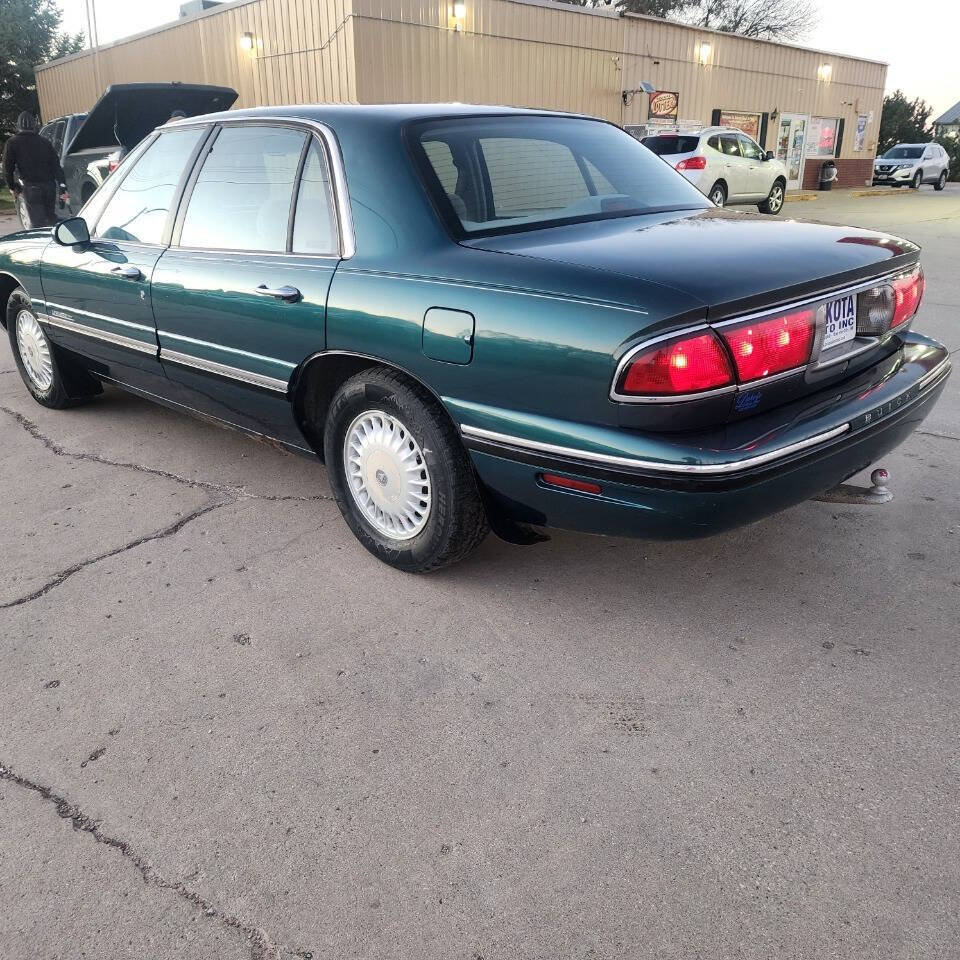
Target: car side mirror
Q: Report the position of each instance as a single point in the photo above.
(768, 155)
(70, 233)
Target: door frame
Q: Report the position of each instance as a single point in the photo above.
(791, 118)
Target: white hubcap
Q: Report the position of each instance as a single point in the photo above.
(34, 351)
(387, 475)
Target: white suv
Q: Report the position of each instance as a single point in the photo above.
(913, 163)
(726, 165)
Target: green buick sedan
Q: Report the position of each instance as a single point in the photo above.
(478, 318)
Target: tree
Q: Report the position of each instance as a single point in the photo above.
(761, 19)
(29, 34)
(903, 121)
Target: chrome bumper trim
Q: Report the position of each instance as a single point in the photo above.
(223, 370)
(689, 469)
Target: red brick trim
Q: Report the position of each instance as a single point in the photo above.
(850, 173)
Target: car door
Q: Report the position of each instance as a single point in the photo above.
(757, 179)
(98, 294)
(240, 297)
(734, 167)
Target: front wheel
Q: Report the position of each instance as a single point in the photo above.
(917, 180)
(400, 475)
(718, 194)
(941, 181)
(34, 355)
(774, 202)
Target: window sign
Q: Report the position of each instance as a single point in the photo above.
(663, 105)
(861, 136)
(748, 123)
(822, 136)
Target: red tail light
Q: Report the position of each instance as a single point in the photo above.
(693, 163)
(568, 483)
(772, 346)
(907, 292)
(690, 365)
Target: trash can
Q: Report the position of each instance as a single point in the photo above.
(828, 174)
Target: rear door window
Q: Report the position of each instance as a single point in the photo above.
(138, 210)
(242, 196)
(729, 145)
(314, 226)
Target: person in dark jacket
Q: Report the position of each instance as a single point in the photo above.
(33, 172)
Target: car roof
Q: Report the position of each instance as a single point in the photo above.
(386, 113)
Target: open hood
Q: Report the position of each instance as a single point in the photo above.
(127, 112)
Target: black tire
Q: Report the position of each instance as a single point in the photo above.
(917, 180)
(941, 181)
(456, 522)
(55, 393)
(774, 202)
(718, 194)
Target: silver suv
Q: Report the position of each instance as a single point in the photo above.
(913, 164)
(726, 165)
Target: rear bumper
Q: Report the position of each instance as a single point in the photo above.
(698, 485)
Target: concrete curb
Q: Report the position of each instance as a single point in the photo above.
(796, 197)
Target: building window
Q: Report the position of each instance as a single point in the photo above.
(823, 136)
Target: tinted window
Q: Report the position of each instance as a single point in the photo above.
(729, 145)
(496, 174)
(714, 143)
(241, 200)
(750, 150)
(665, 145)
(314, 228)
(138, 209)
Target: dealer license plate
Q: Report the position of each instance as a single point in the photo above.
(840, 323)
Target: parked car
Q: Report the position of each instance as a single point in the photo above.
(913, 164)
(725, 165)
(91, 145)
(479, 317)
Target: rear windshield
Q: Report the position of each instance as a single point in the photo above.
(665, 145)
(903, 153)
(493, 175)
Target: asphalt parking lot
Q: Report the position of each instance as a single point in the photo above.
(228, 732)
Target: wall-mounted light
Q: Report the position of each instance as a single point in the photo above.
(459, 16)
(703, 52)
(247, 42)
(824, 71)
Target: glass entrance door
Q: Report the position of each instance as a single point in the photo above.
(791, 140)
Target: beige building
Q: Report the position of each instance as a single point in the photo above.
(805, 105)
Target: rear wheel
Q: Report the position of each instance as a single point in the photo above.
(941, 181)
(718, 194)
(399, 473)
(774, 202)
(34, 354)
(917, 180)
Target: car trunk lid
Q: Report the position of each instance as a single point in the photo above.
(127, 112)
(736, 265)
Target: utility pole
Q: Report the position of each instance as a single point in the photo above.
(94, 43)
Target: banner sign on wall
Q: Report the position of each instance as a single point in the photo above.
(861, 135)
(664, 105)
(748, 123)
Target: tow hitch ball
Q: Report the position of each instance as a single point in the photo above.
(851, 493)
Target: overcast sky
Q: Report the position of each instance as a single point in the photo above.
(918, 40)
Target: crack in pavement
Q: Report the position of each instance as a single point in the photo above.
(66, 574)
(941, 436)
(233, 491)
(261, 946)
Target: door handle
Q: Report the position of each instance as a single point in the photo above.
(128, 272)
(289, 294)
